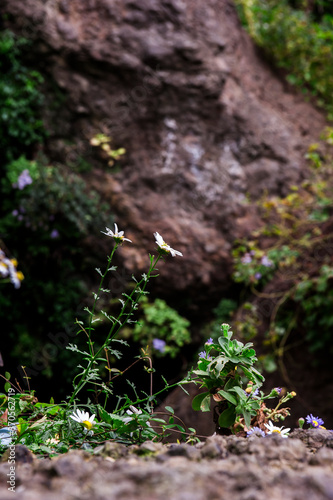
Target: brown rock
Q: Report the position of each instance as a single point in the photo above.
(204, 120)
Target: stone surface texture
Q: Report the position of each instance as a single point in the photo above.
(299, 467)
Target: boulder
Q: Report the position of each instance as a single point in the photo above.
(207, 124)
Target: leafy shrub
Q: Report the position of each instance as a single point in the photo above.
(52, 215)
(293, 296)
(161, 328)
(20, 99)
(296, 42)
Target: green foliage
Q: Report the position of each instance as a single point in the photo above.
(49, 429)
(57, 199)
(52, 215)
(161, 322)
(296, 41)
(222, 369)
(20, 99)
(293, 296)
(315, 295)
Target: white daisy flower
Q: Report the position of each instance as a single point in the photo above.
(272, 429)
(131, 412)
(54, 440)
(164, 247)
(118, 236)
(83, 418)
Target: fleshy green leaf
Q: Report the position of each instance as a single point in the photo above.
(227, 418)
(228, 397)
(197, 401)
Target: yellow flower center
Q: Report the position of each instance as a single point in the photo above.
(276, 430)
(315, 423)
(88, 425)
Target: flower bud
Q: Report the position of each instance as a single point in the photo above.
(301, 422)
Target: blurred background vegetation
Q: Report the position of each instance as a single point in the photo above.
(297, 35)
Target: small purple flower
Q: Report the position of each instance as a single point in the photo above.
(314, 421)
(54, 233)
(204, 355)
(246, 259)
(265, 261)
(256, 431)
(159, 345)
(258, 276)
(24, 179)
(15, 213)
(278, 390)
(209, 341)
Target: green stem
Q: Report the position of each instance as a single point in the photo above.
(111, 335)
(91, 316)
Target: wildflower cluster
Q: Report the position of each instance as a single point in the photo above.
(254, 266)
(8, 271)
(53, 428)
(313, 422)
(222, 369)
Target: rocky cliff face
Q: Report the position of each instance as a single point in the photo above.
(206, 123)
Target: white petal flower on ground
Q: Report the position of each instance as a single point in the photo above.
(118, 236)
(54, 440)
(83, 418)
(272, 429)
(132, 412)
(164, 247)
(8, 270)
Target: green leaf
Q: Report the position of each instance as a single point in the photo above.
(228, 397)
(170, 409)
(205, 404)
(227, 418)
(231, 383)
(252, 374)
(247, 418)
(240, 392)
(104, 415)
(198, 399)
